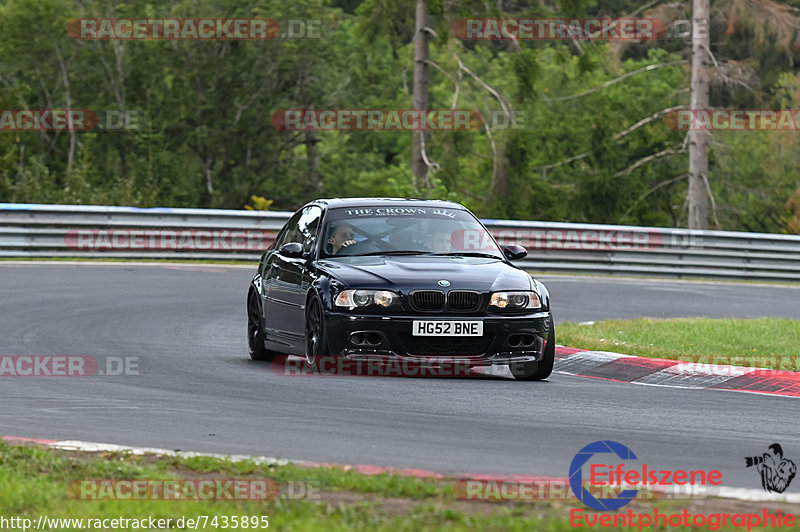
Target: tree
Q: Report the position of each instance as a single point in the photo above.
(697, 195)
(419, 165)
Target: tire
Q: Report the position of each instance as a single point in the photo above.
(255, 330)
(316, 335)
(536, 371)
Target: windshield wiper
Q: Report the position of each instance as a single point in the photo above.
(392, 252)
(467, 254)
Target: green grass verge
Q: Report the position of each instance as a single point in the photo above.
(760, 342)
(35, 481)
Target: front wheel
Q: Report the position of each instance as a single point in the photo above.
(316, 335)
(255, 330)
(536, 371)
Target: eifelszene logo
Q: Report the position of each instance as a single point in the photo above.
(776, 471)
(621, 475)
(576, 475)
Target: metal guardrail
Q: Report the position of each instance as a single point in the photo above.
(34, 231)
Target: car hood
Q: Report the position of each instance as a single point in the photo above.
(414, 273)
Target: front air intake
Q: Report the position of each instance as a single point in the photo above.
(464, 301)
(427, 300)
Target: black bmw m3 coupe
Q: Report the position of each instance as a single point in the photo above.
(368, 278)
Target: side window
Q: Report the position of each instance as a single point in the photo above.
(308, 226)
(290, 232)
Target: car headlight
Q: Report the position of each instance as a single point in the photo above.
(364, 298)
(515, 300)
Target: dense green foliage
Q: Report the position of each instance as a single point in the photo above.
(205, 137)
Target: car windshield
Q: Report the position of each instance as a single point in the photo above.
(393, 230)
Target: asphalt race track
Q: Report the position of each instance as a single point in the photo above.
(198, 390)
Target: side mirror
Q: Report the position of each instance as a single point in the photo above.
(292, 250)
(515, 252)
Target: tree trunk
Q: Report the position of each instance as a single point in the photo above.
(118, 87)
(698, 140)
(20, 168)
(420, 96)
(207, 172)
(313, 183)
(68, 101)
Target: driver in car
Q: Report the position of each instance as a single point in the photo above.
(340, 237)
(440, 242)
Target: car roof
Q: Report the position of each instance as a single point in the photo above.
(389, 202)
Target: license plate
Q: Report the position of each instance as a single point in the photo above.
(447, 328)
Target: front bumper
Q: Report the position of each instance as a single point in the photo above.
(498, 344)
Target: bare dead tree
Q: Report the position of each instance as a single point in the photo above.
(697, 194)
(420, 96)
